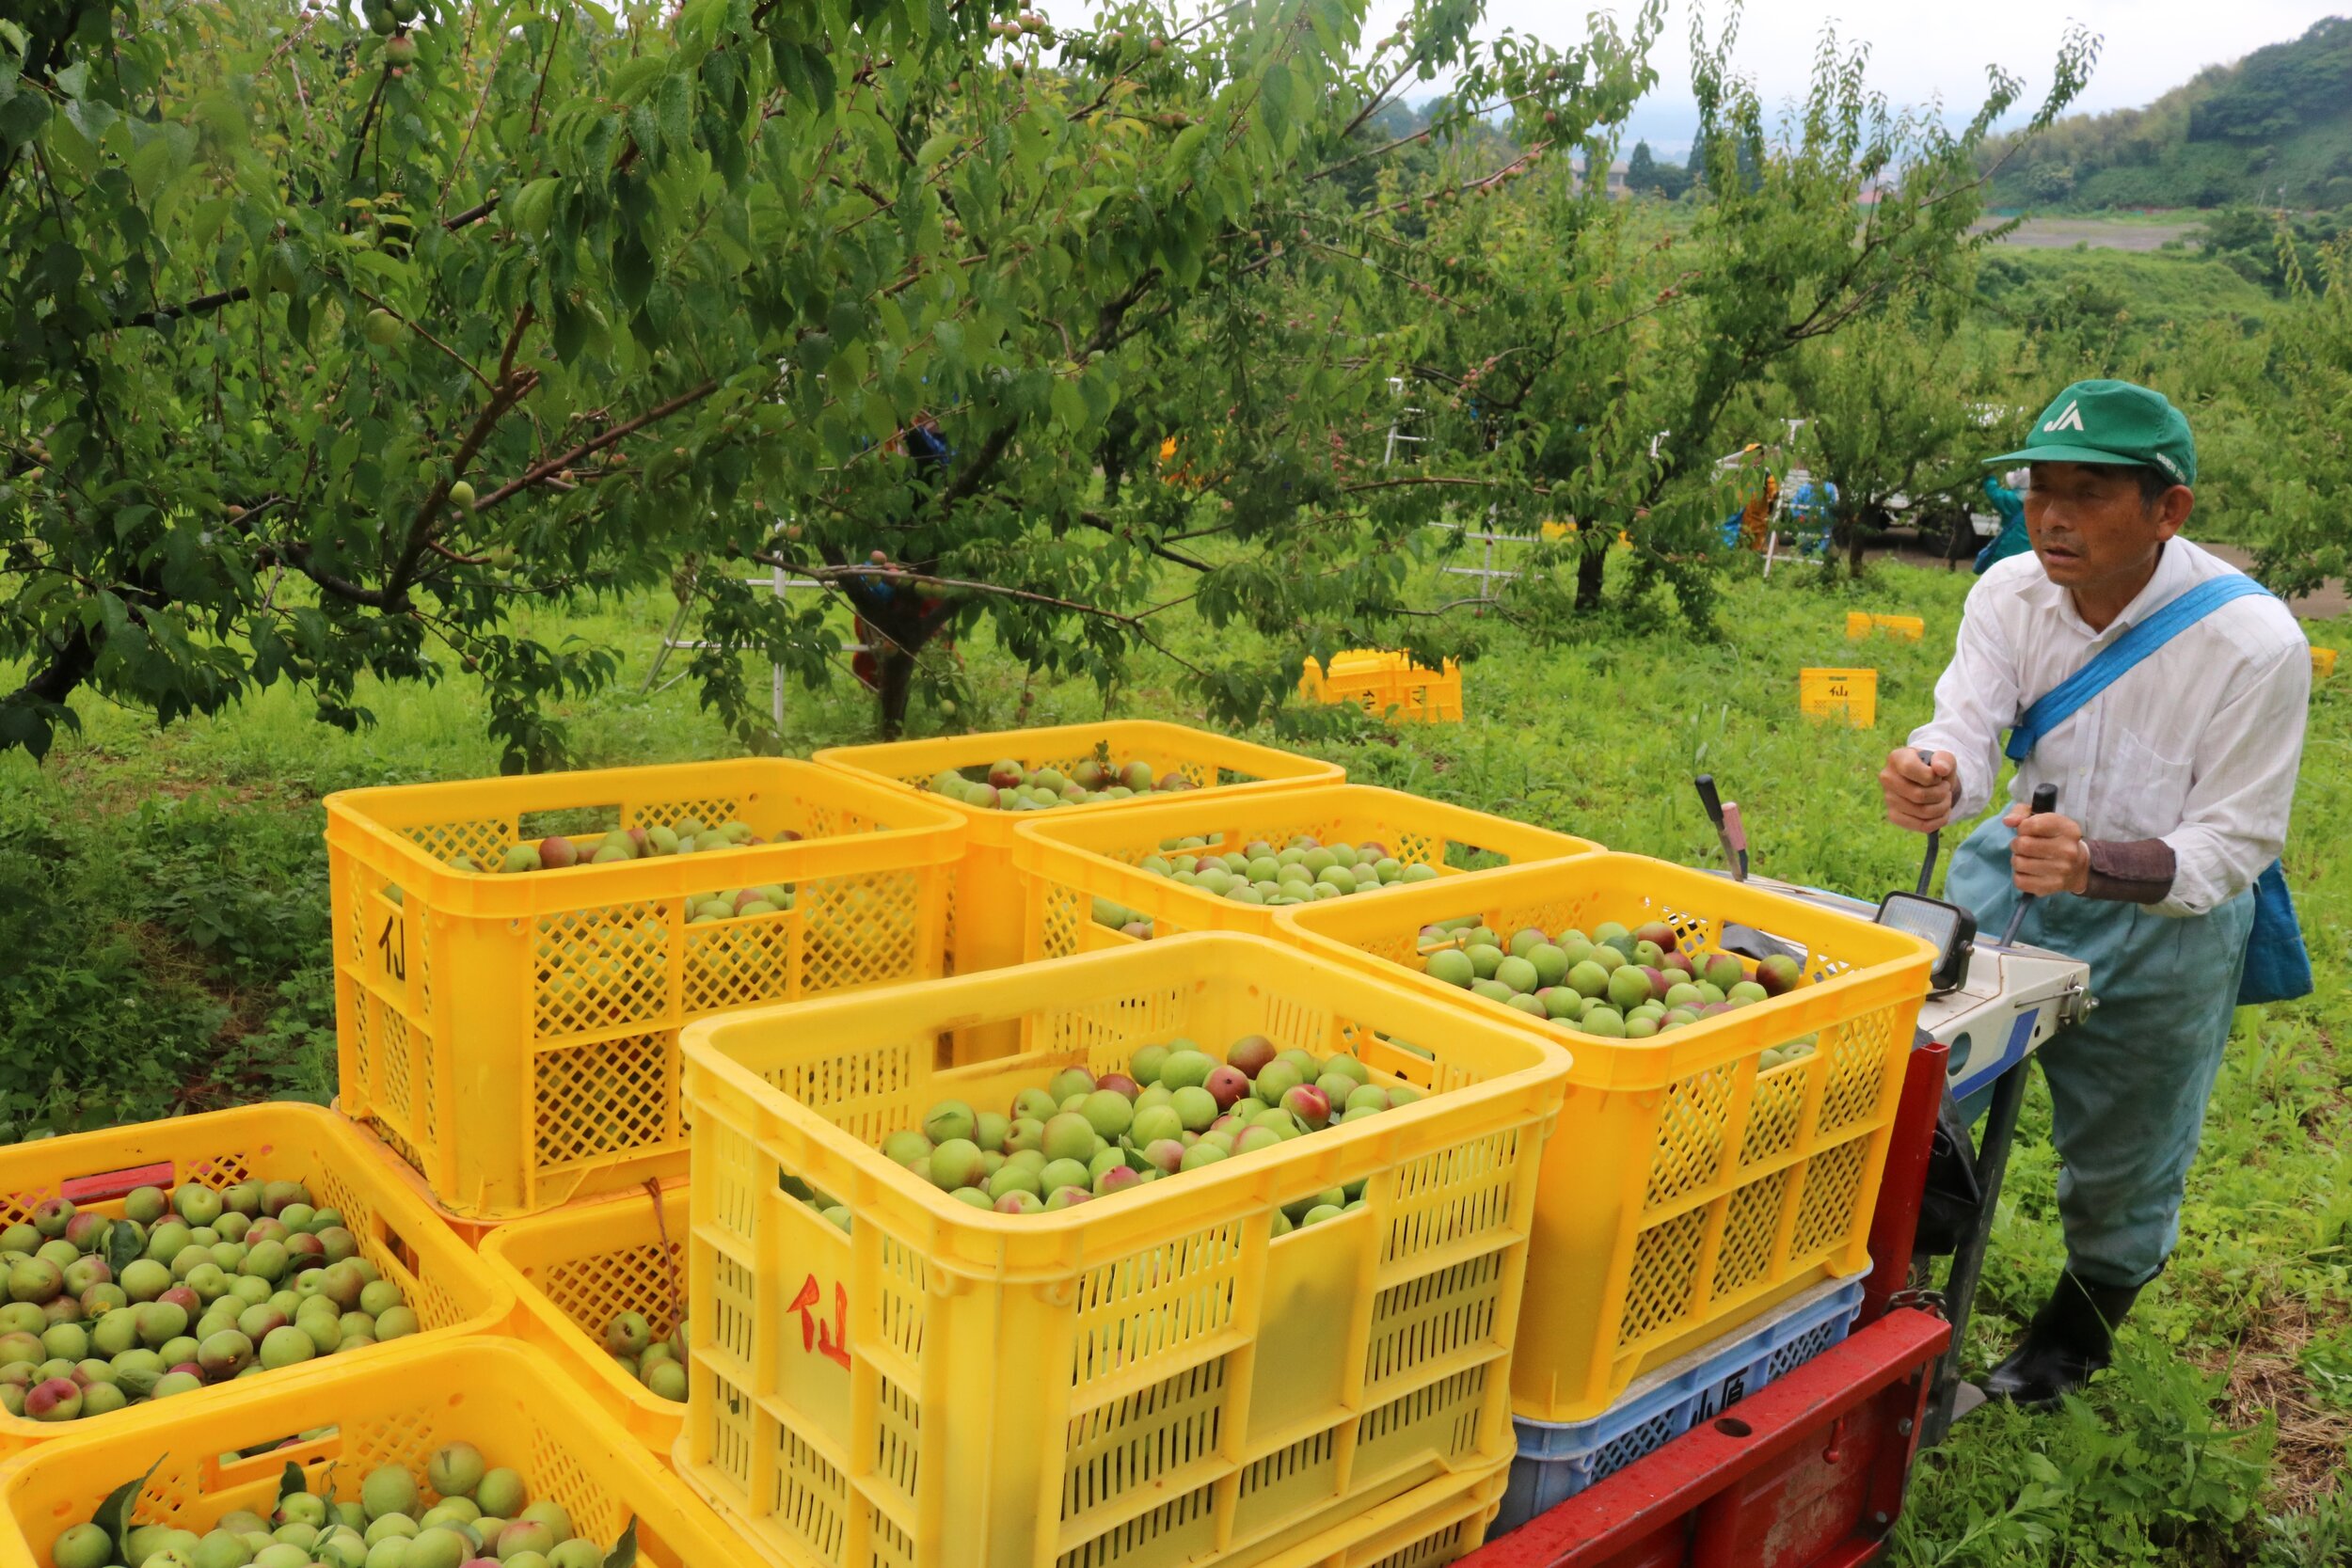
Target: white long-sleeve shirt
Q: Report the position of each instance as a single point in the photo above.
(2197, 745)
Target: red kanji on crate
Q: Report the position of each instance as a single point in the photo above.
(830, 1340)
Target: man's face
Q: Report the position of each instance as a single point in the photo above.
(2091, 529)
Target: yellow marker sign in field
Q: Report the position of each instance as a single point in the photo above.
(1852, 695)
(2323, 663)
(1860, 624)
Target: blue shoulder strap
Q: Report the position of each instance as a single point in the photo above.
(2064, 700)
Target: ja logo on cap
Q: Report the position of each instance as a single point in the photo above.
(2070, 417)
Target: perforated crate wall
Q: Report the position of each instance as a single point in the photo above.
(516, 1037)
(1689, 1188)
(1140, 1381)
(575, 1270)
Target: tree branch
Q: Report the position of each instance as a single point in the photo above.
(203, 304)
(69, 666)
(1419, 479)
(462, 362)
(847, 575)
(1103, 524)
(508, 392)
(541, 471)
(1115, 310)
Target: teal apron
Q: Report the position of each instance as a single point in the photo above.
(2128, 1083)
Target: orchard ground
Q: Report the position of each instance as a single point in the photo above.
(163, 907)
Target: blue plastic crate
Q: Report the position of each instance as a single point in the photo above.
(1559, 1458)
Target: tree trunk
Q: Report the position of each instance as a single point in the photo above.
(897, 670)
(1589, 567)
(1853, 547)
(899, 628)
(28, 725)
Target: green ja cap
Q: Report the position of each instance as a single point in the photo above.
(2113, 422)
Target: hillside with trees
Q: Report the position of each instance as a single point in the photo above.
(2273, 129)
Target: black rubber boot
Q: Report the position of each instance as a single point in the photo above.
(2070, 1338)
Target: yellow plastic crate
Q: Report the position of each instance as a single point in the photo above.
(1153, 1378)
(1684, 1192)
(1385, 683)
(514, 1037)
(985, 909)
(1432, 1525)
(577, 1269)
(1361, 675)
(505, 1399)
(2322, 662)
(1861, 624)
(449, 1287)
(1848, 695)
(1065, 864)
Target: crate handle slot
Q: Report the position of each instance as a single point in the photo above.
(1732, 1426)
(105, 1185)
(271, 1462)
(398, 1252)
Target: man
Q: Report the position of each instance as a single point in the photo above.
(2173, 789)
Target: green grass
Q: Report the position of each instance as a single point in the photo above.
(162, 901)
(2152, 289)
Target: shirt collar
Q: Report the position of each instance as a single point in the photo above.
(2171, 579)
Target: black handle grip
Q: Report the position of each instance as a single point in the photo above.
(2045, 802)
(1708, 798)
(1935, 837)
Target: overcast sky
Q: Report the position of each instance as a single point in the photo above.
(1921, 51)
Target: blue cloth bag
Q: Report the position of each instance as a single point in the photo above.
(2278, 966)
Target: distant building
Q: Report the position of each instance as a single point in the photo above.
(1616, 172)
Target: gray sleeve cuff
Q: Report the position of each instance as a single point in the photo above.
(2136, 871)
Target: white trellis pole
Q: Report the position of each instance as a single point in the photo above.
(778, 581)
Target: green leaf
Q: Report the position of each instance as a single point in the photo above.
(633, 269)
(531, 208)
(22, 119)
(148, 166)
(1188, 144)
(624, 1552)
(114, 1515)
(124, 1247)
(677, 131)
(631, 77)
(934, 151)
(290, 1481)
(1274, 100)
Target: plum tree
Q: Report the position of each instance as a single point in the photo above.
(334, 340)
